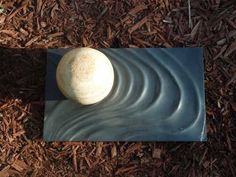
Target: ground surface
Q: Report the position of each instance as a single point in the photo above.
(40, 24)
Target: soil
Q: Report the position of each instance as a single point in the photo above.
(28, 27)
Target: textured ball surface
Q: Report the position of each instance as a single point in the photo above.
(85, 75)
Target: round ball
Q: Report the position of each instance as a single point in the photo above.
(85, 75)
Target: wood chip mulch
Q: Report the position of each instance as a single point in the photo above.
(40, 24)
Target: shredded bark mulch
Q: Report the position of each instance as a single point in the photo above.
(41, 24)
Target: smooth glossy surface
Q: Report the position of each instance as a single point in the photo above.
(158, 95)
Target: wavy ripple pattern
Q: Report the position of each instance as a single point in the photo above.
(153, 98)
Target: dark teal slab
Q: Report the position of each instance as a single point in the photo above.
(158, 95)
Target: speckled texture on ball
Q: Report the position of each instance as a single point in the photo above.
(85, 75)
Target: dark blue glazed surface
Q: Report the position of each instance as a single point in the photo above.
(158, 95)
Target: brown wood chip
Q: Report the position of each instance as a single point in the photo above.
(109, 32)
(222, 41)
(195, 29)
(9, 32)
(24, 31)
(125, 170)
(167, 45)
(75, 160)
(206, 164)
(32, 40)
(221, 52)
(71, 36)
(39, 5)
(156, 153)
(233, 24)
(24, 4)
(5, 171)
(138, 25)
(133, 46)
(54, 9)
(51, 43)
(55, 34)
(233, 105)
(113, 151)
(19, 165)
(2, 19)
(137, 9)
(99, 148)
(143, 42)
(88, 162)
(62, 4)
(230, 50)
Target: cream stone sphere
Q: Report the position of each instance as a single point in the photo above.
(85, 75)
